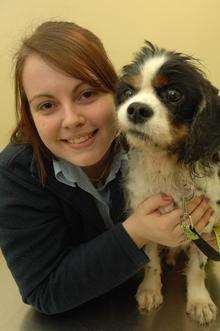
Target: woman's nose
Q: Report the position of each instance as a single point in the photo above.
(72, 118)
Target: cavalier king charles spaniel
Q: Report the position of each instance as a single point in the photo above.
(170, 115)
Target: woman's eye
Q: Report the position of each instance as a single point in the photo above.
(173, 95)
(46, 105)
(87, 95)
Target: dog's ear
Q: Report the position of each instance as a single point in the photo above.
(119, 92)
(204, 138)
(124, 90)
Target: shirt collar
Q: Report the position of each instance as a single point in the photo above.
(73, 175)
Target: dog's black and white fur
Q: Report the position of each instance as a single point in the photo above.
(170, 114)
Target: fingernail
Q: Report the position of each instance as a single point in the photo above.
(167, 197)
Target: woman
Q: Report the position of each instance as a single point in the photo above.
(63, 230)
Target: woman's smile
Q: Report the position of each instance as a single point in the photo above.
(82, 141)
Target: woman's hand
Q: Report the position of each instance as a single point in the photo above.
(148, 224)
(200, 212)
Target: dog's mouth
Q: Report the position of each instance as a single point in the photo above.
(144, 137)
(139, 135)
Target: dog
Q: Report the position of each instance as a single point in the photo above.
(170, 115)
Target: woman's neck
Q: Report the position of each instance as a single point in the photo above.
(99, 171)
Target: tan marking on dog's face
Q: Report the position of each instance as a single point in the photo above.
(180, 132)
(150, 69)
(135, 81)
(160, 81)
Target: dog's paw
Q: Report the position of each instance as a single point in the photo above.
(148, 299)
(203, 312)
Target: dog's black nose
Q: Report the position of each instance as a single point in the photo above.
(139, 112)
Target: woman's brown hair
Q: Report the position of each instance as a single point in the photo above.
(74, 50)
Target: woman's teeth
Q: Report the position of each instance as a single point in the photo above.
(81, 140)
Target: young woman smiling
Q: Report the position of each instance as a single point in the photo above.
(63, 228)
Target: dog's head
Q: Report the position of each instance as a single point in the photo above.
(166, 103)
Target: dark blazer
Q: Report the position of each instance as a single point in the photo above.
(54, 239)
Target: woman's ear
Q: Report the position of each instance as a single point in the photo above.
(204, 138)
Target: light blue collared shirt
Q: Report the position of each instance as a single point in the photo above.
(72, 175)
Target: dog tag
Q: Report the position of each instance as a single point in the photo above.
(187, 229)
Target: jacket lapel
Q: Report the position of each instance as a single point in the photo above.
(79, 200)
(117, 207)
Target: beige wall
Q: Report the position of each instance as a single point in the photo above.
(191, 26)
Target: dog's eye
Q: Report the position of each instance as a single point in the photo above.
(128, 92)
(172, 95)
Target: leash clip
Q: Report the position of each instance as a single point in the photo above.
(187, 224)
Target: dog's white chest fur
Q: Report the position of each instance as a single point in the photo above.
(152, 173)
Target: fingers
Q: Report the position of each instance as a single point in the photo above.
(179, 235)
(194, 203)
(173, 217)
(201, 214)
(154, 202)
(204, 220)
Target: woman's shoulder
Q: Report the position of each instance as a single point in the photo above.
(16, 154)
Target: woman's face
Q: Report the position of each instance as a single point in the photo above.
(75, 121)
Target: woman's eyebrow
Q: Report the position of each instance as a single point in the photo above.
(48, 95)
(77, 87)
(41, 95)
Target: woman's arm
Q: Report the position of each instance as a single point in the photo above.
(53, 275)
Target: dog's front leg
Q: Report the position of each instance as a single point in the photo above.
(200, 306)
(149, 294)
